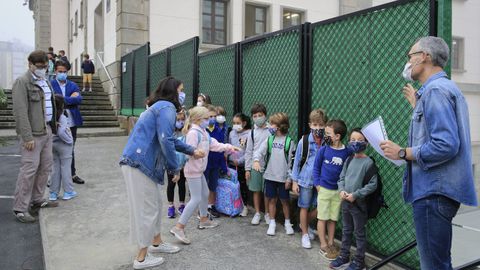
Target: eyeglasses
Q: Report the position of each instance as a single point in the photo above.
(410, 54)
(40, 66)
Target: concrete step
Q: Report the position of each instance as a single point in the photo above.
(98, 112)
(95, 102)
(100, 124)
(95, 97)
(7, 125)
(95, 92)
(89, 118)
(6, 112)
(95, 108)
(7, 118)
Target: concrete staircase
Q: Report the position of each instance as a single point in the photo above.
(96, 108)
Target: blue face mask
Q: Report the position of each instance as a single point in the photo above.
(357, 146)
(204, 123)
(181, 98)
(62, 76)
(212, 121)
(272, 130)
(179, 124)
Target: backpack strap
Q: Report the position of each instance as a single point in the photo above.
(372, 170)
(288, 142)
(305, 150)
(253, 138)
(347, 161)
(270, 140)
(199, 136)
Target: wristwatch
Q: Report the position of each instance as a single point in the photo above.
(402, 153)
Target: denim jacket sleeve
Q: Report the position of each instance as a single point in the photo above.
(440, 121)
(165, 120)
(182, 147)
(296, 162)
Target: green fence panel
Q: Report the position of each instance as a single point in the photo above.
(127, 83)
(140, 76)
(356, 76)
(183, 59)
(271, 74)
(157, 68)
(216, 76)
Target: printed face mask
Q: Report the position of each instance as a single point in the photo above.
(327, 140)
(259, 121)
(272, 130)
(357, 146)
(319, 133)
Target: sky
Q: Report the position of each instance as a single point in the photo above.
(16, 22)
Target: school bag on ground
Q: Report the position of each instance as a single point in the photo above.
(229, 200)
(375, 200)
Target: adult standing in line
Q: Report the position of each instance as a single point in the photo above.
(439, 175)
(33, 108)
(70, 91)
(150, 151)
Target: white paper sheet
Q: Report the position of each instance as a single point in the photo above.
(375, 133)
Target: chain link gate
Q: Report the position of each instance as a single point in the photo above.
(157, 69)
(184, 66)
(126, 97)
(216, 77)
(140, 78)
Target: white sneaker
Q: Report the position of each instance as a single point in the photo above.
(271, 228)
(289, 229)
(312, 233)
(256, 219)
(244, 212)
(150, 261)
(306, 241)
(163, 248)
(267, 219)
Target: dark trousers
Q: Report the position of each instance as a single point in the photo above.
(74, 135)
(181, 188)
(354, 219)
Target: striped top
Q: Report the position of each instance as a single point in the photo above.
(48, 97)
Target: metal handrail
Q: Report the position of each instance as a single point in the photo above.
(106, 71)
(469, 265)
(394, 255)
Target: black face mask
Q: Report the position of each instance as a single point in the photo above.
(319, 133)
(327, 140)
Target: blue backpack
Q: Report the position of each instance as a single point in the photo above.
(229, 200)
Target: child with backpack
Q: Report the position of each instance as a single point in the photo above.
(194, 169)
(302, 172)
(354, 187)
(255, 182)
(221, 122)
(326, 172)
(278, 152)
(179, 123)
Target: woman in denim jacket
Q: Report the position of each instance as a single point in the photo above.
(150, 151)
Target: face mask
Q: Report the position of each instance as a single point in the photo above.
(407, 72)
(259, 121)
(220, 119)
(357, 147)
(179, 124)
(318, 132)
(181, 98)
(199, 103)
(327, 140)
(237, 127)
(62, 76)
(272, 130)
(211, 121)
(204, 124)
(40, 73)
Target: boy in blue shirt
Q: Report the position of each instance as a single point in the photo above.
(302, 172)
(326, 172)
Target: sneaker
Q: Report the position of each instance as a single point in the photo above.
(35, 208)
(207, 224)
(163, 248)
(213, 212)
(306, 242)
(181, 208)
(331, 253)
(83, 89)
(256, 219)
(356, 266)
(77, 180)
(180, 235)
(289, 229)
(271, 228)
(171, 212)
(244, 212)
(69, 195)
(267, 219)
(312, 233)
(89, 89)
(149, 261)
(24, 217)
(53, 196)
(339, 263)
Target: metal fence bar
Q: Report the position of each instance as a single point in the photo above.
(469, 266)
(396, 254)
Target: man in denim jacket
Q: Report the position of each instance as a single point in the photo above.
(439, 174)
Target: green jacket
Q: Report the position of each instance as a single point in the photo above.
(29, 108)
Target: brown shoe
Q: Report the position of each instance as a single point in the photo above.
(45, 204)
(332, 253)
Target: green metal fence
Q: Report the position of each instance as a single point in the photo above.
(127, 85)
(140, 78)
(183, 66)
(157, 68)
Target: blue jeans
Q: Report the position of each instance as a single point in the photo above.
(307, 197)
(433, 226)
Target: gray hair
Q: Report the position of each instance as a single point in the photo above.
(437, 48)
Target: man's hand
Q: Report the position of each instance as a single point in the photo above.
(409, 94)
(29, 145)
(75, 94)
(198, 154)
(176, 177)
(256, 166)
(350, 198)
(288, 184)
(295, 188)
(390, 149)
(247, 176)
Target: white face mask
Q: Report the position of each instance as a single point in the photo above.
(40, 73)
(199, 103)
(407, 72)
(237, 127)
(220, 119)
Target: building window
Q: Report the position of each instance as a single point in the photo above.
(108, 6)
(70, 34)
(292, 18)
(76, 24)
(214, 22)
(81, 15)
(76, 66)
(255, 20)
(457, 53)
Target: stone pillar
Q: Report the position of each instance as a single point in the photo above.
(41, 15)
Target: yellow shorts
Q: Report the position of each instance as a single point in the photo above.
(328, 204)
(87, 78)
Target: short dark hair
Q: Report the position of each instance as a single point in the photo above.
(38, 56)
(86, 56)
(244, 118)
(339, 127)
(50, 49)
(358, 130)
(166, 90)
(256, 108)
(61, 51)
(60, 63)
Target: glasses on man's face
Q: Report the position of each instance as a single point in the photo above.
(413, 53)
(40, 66)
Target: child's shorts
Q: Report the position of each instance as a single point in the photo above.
(212, 175)
(87, 77)
(276, 189)
(328, 204)
(307, 197)
(256, 182)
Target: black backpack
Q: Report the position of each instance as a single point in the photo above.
(375, 200)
